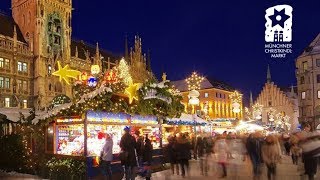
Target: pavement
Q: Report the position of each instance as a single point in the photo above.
(236, 170)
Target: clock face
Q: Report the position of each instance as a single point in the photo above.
(54, 33)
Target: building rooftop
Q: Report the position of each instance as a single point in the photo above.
(7, 24)
(313, 48)
(207, 83)
(84, 47)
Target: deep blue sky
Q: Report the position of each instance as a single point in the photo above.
(222, 39)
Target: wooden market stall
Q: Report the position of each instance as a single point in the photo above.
(84, 136)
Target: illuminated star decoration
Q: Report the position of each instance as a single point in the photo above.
(194, 81)
(279, 17)
(132, 91)
(65, 73)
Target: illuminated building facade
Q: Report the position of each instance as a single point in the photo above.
(214, 100)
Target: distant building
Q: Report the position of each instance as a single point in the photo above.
(282, 100)
(214, 99)
(308, 80)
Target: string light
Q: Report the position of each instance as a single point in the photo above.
(194, 81)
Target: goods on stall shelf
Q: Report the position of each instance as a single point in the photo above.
(70, 137)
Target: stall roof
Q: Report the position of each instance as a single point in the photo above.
(189, 119)
(12, 113)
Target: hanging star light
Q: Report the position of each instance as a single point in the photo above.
(65, 73)
(132, 91)
(194, 81)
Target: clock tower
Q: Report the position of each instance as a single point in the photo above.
(46, 26)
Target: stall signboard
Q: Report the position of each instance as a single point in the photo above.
(69, 120)
(107, 117)
(138, 119)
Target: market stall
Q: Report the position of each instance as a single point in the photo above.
(186, 123)
(78, 136)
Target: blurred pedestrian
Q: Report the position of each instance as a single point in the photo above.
(200, 153)
(254, 150)
(183, 153)
(221, 149)
(295, 150)
(271, 155)
(310, 144)
(172, 154)
(106, 157)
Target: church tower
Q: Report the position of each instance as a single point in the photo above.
(46, 26)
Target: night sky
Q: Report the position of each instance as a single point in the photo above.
(220, 39)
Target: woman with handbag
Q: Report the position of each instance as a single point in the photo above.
(270, 155)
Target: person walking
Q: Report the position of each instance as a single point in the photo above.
(270, 155)
(221, 149)
(310, 144)
(199, 148)
(147, 157)
(106, 157)
(172, 155)
(208, 149)
(254, 151)
(129, 158)
(295, 150)
(183, 153)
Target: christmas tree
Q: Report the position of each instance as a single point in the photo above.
(123, 72)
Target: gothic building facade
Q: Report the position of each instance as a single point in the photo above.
(278, 100)
(32, 41)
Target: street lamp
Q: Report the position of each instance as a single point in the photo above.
(194, 83)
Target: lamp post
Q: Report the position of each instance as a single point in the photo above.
(194, 83)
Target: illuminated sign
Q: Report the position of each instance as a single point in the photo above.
(64, 120)
(120, 118)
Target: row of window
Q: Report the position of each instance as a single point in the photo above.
(7, 103)
(22, 66)
(303, 94)
(4, 82)
(218, 95)
(5, 63)
(22, 85)
(302, 79)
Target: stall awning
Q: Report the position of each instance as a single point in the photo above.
(13, 113)
(187, 119)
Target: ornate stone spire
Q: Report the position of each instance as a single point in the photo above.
(76, 53)
(97, 58)
(268, 75)
(126, 49)
(149, 61)
(164, 76)
(251, 99)
(15, 37)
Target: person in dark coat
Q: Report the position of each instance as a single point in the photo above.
(184, 153)
(128, 144)
(253, 145)
(172, 154)
(147, 157)
(200, 152)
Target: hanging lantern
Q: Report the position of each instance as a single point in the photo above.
(92, 81)
(194, 101)
(84, 76)
(95, 69)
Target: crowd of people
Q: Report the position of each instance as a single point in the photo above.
(303, 146)
(267, 149)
